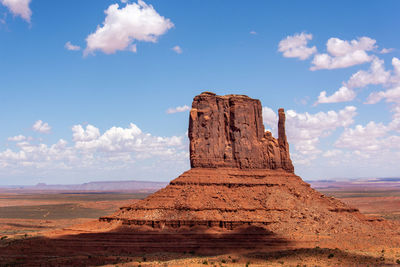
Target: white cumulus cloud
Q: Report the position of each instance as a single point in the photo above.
(19, 8)
(343, 54)
(296, 46)
(375, 75)
(17, 138)
(117, 148)
(178, 109)
(386, 50)
(391, 95)
(125, 140)
(177, 49)
(41, 127)
(72, 47)
(270, 118)
(80, 134)
(390, 80)
(304, 130)
(344, 94)
(123, 26)
(332, 153)
(366, 140)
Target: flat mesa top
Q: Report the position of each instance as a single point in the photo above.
(224, 96)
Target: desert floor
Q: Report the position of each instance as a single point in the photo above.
(52, 220)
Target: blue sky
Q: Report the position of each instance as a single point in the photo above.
(85, 94)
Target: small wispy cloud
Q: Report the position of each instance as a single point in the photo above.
(253, 32)
(177, 49)
(72, 47)
(386, 50)
(41, 127)
(17, 138)
(178, 109)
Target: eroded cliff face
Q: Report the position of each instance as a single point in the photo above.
(228, 131)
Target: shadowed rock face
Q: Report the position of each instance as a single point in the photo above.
(228, 131)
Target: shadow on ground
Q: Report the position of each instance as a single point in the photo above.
(125, 244)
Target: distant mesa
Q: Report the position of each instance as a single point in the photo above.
(98, 186)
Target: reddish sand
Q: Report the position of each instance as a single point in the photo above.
(268, 217)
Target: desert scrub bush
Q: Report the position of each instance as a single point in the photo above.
(3, 237)
(398, 261)
(205, 262)
(223, 261)
(330, 256)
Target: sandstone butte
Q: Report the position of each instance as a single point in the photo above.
(242, 176)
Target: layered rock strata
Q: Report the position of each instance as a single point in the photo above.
(231, 197)
(228, 131)
(241, 175)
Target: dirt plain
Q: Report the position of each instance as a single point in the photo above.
(61, 229)
(30, 212)
(384, 201)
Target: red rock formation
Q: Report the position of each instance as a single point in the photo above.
(228, 131)
(241, 176)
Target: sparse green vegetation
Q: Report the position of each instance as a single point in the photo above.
(330, 256)
(205, 262)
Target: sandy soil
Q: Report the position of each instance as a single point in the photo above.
(86, 241)
(387, 207)
(27, 215)
(97, 243)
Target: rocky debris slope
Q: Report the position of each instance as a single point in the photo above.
(228, 131)
(229, 198)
